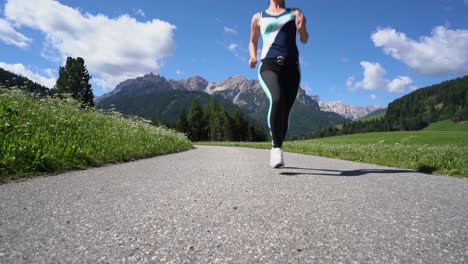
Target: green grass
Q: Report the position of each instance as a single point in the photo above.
(374, 117)
(426, 151)
(447, 125)
(45, 135)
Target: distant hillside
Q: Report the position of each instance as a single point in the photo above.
(447, 100)
(380, 113)
(414, 111)
(154, 97)
(373, 117)
(9, 79)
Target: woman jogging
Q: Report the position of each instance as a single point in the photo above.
(279, 70)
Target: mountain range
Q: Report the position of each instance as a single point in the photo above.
(350, 111)
(155, 97)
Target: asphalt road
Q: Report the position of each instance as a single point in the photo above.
(226, 205)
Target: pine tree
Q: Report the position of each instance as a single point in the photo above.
(462, 113)
(181, 124)
(250, 133)
(9, 79)
(256, 133)
(213, 120)
(196, 122)
(74, 79)
(226, 124)
(240, 126)
(259, 133)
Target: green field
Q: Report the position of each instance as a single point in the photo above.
(45, 135)
(442, 152)
(447, 125)
(374, 117)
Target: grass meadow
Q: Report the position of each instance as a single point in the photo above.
(45, 135)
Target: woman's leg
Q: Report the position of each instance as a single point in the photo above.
(290, 81)
(270, 82)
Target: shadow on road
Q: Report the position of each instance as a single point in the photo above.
(327, 172)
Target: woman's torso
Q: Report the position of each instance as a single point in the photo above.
(279, 35)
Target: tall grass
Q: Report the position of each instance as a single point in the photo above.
(44, 135)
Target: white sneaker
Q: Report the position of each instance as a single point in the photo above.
(276, 158)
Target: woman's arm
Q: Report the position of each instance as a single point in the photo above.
(254, 35)
(301, 26)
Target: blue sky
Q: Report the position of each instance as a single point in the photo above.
(360, 51)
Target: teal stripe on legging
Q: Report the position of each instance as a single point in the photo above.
(267, 91)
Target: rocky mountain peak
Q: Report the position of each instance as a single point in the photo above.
(194, 83)
(347, 110)
(306, 99)
(151, 77)
(147, 84)
(231, 85)
(197, 78)
(237, 78)
(148, 79)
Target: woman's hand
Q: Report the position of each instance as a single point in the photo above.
(253, 63)
(300, 21)
(301, 26)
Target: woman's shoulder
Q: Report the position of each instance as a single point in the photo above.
(295, 10)
(257, 16)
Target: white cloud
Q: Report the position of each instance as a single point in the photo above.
(232, 46)
(230, 30)
(114, 49)
(236, 51)
(399, 84)
(444, 52)
(139, 12)
(374, 76)
(373, 96)
(350, 82)
(20, 69)
(11, 37)
(178, 72)
(109, 80)
(374, 79)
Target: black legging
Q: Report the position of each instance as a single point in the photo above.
(281, 84)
